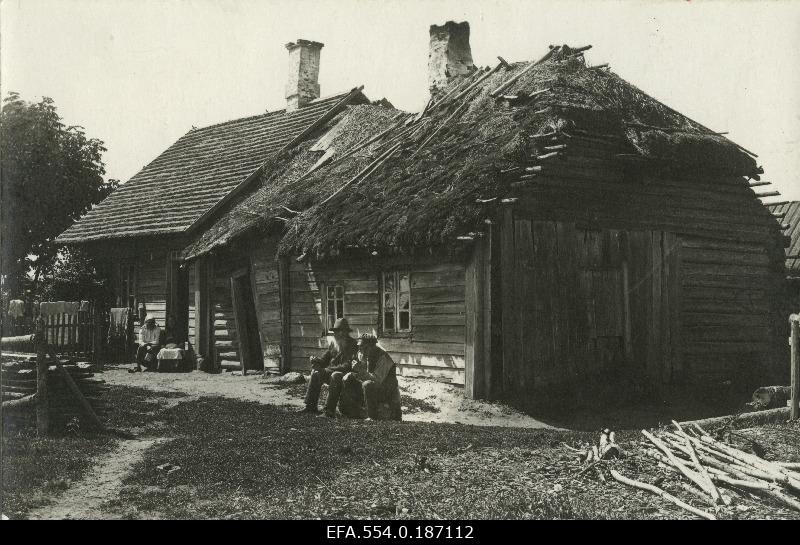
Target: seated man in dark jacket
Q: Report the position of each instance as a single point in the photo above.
(377, 372)
(331, 368)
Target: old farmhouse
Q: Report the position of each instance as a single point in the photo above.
(539, 228)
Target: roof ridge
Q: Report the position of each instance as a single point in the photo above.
(315, 102)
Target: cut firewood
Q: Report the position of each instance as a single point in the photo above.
(693, 455)
(688, 473)
(663, 494)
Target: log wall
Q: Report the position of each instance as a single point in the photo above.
(704, 272)
(434, 347)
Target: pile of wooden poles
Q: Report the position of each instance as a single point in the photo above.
(18, 389)
(716, 471)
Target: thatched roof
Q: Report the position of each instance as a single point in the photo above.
(283, 186)
(194, 174)
(417, 186)
(425, 194)
(792, 218)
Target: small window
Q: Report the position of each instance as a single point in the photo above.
(127, 292)
(396, 302)
(334, 301)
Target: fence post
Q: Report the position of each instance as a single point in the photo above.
(42, 402)
(794, 324)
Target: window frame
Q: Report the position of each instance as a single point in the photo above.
(128, 278)
(394, 331)
(326, 300)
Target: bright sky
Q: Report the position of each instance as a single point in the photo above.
(139, 73)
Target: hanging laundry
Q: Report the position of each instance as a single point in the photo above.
(16, 308)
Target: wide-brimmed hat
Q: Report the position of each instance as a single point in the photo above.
(150, 317)
(341, 325)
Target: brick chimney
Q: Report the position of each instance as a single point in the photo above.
(303, 84)
(449, 53)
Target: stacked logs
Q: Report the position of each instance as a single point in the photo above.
(18, 385)
(715, 472)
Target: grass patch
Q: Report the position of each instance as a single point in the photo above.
(35, 469)
(246, 460)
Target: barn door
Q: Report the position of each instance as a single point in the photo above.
(602, 290)
(602, 277)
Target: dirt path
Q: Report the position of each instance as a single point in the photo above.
(85, 499)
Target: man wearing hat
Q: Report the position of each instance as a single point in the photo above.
(331, 368)
(149, 343)
(377, 372)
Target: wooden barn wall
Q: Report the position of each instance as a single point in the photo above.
(151, 281)
(730, 326)
(587, 304)
(152, 289)
(267, 298)
(719, 247)
(435, 346)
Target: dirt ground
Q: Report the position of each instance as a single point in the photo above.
(86, 499)
(424, 400)
(233, 446)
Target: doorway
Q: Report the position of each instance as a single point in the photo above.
(244, 311)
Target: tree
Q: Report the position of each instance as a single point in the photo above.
(74, 276)
(49, 176)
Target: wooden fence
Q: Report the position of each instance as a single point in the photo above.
(76, 334)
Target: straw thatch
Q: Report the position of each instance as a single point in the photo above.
(424, 194)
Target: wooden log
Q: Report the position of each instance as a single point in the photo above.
(760, 468)
(475, 83)
(439, 128)
(530, 67)
(21, 403)
(664, 495)
(365, 172)
(794, 324)
(711, 489)
(688, 473)
(456, 88)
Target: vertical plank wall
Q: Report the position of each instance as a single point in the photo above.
(266, 292)
(435, 346)
(703, 253)
(566, 319)
(152, 287)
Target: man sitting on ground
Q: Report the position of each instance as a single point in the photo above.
(149, 344)
(377, 372)
(331, 368)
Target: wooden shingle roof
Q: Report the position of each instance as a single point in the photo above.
(792, 217)
(190, 178)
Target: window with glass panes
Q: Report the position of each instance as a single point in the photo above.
(396, 290)
(334, 296)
